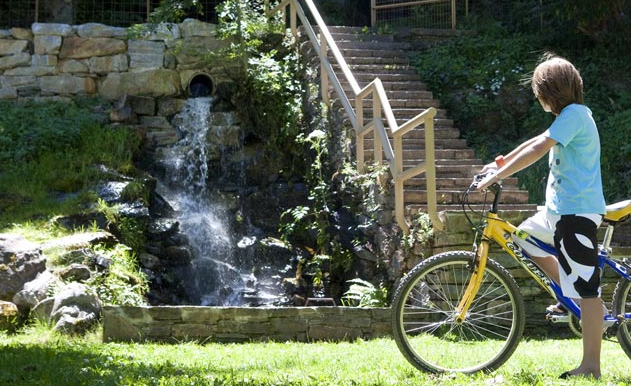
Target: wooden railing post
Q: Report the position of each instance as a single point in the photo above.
(373, 13)
(324, 77)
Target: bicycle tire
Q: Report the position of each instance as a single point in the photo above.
(622, 305)
(423, 316)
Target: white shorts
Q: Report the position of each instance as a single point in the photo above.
(574, 238)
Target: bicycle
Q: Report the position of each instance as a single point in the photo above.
(462, 311)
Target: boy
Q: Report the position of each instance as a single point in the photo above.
(574, 198)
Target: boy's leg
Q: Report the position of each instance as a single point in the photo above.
(592, 328)
(576, 240)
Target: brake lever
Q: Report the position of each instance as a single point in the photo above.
(477, 179)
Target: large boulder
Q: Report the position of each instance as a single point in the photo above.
(20, 262)
(76, 309)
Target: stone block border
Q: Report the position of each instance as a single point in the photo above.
(174, 324)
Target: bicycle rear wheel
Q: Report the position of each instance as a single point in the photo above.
(423, 316)
(622, 306)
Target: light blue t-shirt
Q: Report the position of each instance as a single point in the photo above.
(574, 183)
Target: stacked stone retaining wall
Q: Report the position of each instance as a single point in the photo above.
(60, 60)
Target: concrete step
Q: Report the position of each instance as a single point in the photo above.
(371, 45)
(444, 182)
(454, 196)
(350, 53)
(414, 144)
(394, 61)
(377, 68)
(416, 156)
(359, 36)
(419, 134)
(507, 210)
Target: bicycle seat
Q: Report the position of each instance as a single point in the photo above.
(618, 211)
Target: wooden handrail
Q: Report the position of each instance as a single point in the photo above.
(380, 106)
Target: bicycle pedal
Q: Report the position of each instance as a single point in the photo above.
(554, 317)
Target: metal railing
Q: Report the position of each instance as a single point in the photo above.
(380, 107)
(415, 13)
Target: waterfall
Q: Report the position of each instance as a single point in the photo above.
(204, 219)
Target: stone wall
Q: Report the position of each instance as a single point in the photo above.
(60, 60)
(242, 324)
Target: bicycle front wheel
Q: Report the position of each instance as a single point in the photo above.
(622, 306)
(424, 316)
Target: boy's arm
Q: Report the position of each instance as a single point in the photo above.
(523, 156)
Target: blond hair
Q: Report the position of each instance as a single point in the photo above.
(557, 83)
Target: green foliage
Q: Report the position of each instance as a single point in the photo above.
(52, 153)
(483, 81)
(616, 155)
(372, 186)
(600, 20)
(33, 128)
(316, 217)
(269, 87)
(362, 293)
(421, 232)
(122, 283)
(174, 11)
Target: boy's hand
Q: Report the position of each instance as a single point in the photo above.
(487, 180)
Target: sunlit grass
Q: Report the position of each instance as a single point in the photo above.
(39, 357)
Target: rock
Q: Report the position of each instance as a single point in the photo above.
(96, 30)
(34, 291)
(75, 321)
(8, 316)
(81, 240)
(82, 48)
(75, 309)
(20, 262)
(43, 310)
(75, 272)
(67, 84)
(148, 260)
(194, 27)
(10, 47)
(179, 255)
(52, 29)
(156, 83)
(15, 60)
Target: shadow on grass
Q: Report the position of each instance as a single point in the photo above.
(77, 365)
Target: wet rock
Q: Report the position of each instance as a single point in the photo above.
(148, 260)
(179, 255)
(161, 229)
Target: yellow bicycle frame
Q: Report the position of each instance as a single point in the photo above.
(500, 231)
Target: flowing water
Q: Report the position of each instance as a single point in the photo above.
(221, 271)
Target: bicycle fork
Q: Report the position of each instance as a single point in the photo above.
(477, 274)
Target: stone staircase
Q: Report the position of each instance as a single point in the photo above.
(372, 56)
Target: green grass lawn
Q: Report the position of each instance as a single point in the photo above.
(38, 357)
